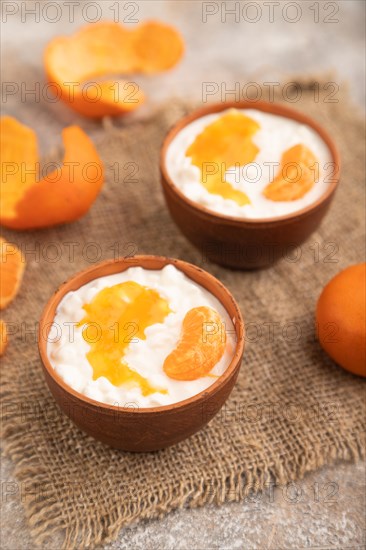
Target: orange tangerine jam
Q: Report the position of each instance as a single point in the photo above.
(224, 143)
(114, 316)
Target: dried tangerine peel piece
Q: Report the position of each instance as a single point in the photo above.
(224, 143)
(199, 349)
(12, 264)
(157, 47)
(19, 158)
(3, 337)
(121, 312)
(108, 98)
(63, 196)
(107, 48)
(93, 51)
(296, 176)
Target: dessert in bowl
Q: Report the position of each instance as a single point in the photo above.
(246, 182)
(141, 353)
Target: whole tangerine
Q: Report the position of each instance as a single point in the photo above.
(341, 319)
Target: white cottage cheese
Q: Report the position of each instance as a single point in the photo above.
(67, 348)
(276, 135)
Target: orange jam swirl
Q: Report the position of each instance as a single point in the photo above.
(115, 316)
(224, 143)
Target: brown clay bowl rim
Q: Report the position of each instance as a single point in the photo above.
(268, 107)
(188, 269)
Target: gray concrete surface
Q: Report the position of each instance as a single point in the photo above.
(328, 36)
(323, 511)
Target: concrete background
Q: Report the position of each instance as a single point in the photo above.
(327, 510)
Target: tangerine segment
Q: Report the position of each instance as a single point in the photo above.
(12, 264)
(296, 176)
(62, 196)
(19, 154)
(224, 143)
(113, 318)
(3, 337)
(107, 48)
(201, 346)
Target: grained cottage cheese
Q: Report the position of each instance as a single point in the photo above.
(67, 348)
(276, 135)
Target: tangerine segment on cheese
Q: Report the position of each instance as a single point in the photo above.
(341, 319)
(3, 337)
(12, 264)
(102, 49)
(115, 316)
(296, 176)
(62, 196)
(200, 348)
(224, 143)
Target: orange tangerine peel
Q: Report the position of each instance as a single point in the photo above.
(12, 264)
(108, 98)
(3, 337)
(224, 143)
(296, 176)
(201, 346)
(64, 195)
(100, 50)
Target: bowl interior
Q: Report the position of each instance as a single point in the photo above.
(268, 107)
(110, 267)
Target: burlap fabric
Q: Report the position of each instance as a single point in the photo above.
(292, 409)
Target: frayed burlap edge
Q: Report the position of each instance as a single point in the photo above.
(189, 493)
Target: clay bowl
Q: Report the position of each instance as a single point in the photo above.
(142, 429)
(234, 242)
